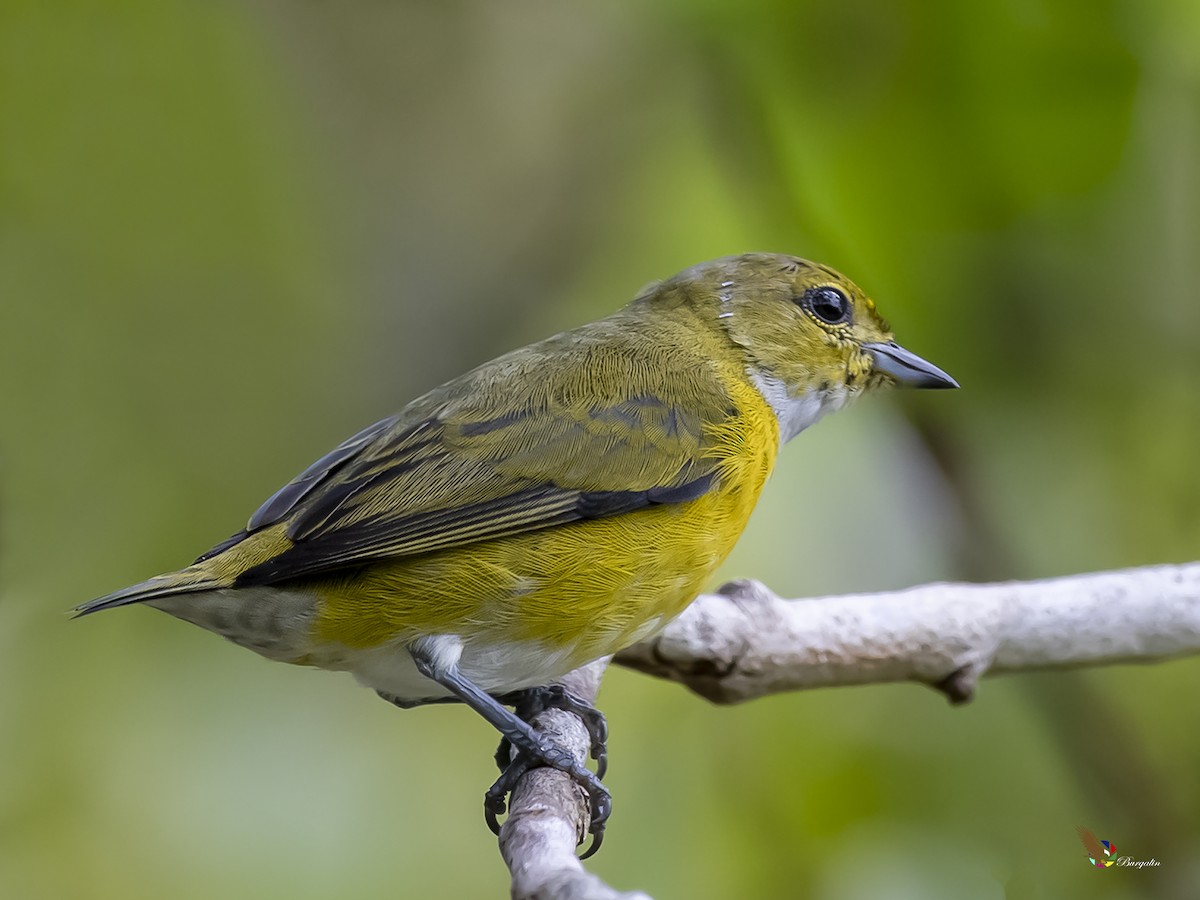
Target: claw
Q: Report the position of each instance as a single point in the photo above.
(504, 754)
(495, 801)
(597, 840)
(533, 747)
(527, 705)
(531, 701)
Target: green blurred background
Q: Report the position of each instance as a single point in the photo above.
(232, 234)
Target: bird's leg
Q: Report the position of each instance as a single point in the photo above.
(531, 701)
(533, 748)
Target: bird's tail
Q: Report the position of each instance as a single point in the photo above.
(185, 581)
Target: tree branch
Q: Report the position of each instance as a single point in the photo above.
(548, 813)
(744, 642)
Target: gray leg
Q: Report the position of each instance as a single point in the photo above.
(531, 701)
(534, 749)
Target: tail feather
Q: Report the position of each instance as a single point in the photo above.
(185, 581)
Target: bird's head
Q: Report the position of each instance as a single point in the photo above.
(812, 340)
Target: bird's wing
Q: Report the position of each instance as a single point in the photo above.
(551, 434)
(1094, 848)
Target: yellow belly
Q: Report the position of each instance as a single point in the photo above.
(586, 589)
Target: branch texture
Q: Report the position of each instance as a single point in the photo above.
(744, 642)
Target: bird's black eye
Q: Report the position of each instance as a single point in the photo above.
(828, 304)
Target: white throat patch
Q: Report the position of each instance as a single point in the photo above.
(797, 413)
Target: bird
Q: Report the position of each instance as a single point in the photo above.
(547, 508)
(1099, 852)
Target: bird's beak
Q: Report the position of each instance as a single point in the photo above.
(907, 369)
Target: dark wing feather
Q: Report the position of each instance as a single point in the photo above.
(452, 469)
(285, 499)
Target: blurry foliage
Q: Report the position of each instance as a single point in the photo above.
(232, 234)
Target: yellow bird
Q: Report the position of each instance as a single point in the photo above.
(548, 508)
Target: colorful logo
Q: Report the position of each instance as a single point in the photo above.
(1100, 853)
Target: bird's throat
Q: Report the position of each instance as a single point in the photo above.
(796, 412)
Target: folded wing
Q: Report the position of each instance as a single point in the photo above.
(552, 434)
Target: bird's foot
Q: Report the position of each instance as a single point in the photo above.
(527, 704)
(533, 748)
(513, 765)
